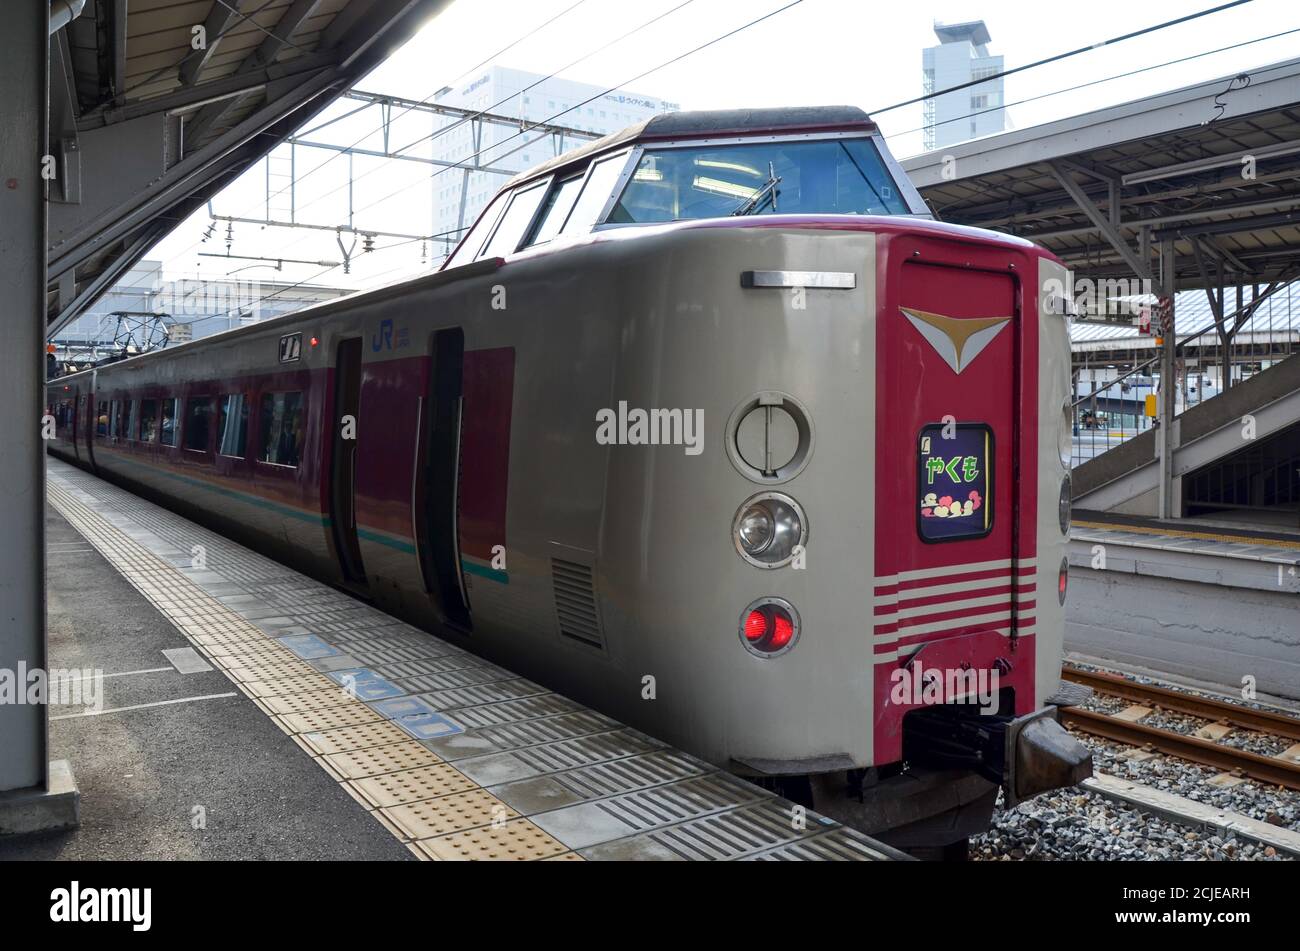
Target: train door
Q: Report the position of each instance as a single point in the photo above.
(343, 477)
(438, 524)
(947, 586)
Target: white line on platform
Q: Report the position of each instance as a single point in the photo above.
(142, 706)
(121, 673)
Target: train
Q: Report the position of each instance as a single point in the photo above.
(708, 424)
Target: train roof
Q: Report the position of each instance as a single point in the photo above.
(708, 123)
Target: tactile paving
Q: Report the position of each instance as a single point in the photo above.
(346, 715)
(446, 814)
(360, 737)
(518, 840)
(381, 759)
(412, 785)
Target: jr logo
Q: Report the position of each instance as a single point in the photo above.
(384, 339)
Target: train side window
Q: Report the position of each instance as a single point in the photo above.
(281, 429)
(558, 205)
(101, 418)
(198, 423)
(167, 430)
(133, 420)
(469, 246)
(115, 420)
(595, 195)
(148, 420)
(232, 428)
(516, 220)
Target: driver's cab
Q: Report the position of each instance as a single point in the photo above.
(828, 160)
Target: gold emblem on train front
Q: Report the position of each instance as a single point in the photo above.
(958, 340)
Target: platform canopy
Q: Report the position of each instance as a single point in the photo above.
(147, 122)
(1214, 166)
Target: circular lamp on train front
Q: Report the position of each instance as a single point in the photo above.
(769, 627)
(1063, 506)
(767, 528)
(1065, 435)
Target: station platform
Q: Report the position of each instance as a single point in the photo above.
(318, 726)
(1229, 553)
(1211, 604)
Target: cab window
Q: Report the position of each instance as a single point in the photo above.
(469, 247)
(558, 205)
(595, 194)
(827, 176)
(514, 223)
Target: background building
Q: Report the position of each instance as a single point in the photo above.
(506, 92)
(143, 311)
(961, 56)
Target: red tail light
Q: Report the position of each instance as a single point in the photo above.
(769, 627)
(784, 631)
(1063, 580)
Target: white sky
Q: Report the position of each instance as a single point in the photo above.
(819, 52)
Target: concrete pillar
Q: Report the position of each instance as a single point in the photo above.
(30, 798)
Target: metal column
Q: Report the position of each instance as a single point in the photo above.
(1170, 496)
(28, 798)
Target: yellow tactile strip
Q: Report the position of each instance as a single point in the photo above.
(1234, 539)
(437, 810)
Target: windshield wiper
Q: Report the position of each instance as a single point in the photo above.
(759, 198)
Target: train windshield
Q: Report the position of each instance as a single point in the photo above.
(827, 176)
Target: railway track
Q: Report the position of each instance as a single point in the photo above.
(1277, 770)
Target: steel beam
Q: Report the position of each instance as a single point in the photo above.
(1103, 223)
(118, 79)
(218, 21)
(209, 93)
(185, 177)
(1170, 494)
(260, 59)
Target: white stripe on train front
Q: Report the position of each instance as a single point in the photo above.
(892, 656)
(945, 571)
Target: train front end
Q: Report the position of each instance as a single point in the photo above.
(884, 526)
(826, 508)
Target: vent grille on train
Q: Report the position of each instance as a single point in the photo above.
(575, 602)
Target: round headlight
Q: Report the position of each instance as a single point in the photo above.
(755, 530)
(767, 528)
(1063, 506)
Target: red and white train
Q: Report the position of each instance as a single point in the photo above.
(711, 401)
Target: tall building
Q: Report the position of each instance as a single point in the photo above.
(506, 92)
(961, 56)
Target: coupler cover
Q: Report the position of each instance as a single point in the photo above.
(1041, 756)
